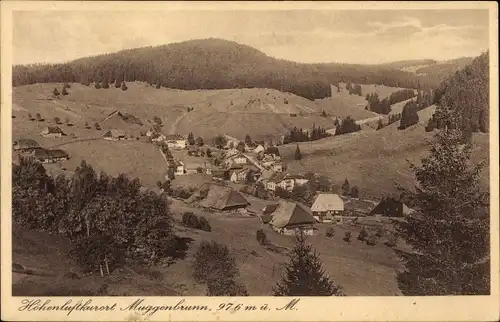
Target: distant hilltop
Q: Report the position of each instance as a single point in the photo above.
(220, 64)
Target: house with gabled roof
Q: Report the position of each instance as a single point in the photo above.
(327, 207)
(220, 197)
(289, 218)
(176, 141)
(26, 145)
(52, 132)
(391, 207)
(50, 156)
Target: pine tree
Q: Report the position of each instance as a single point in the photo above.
(450, 240)
(345, 188)
(124, 86)
(64, 91)
(105, 83)
(298, 154)
(354, 192)
(304, 274)
(191, 140)
(55, 92)
(248, 140)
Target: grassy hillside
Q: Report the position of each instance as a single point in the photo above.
(263, 113)
(446, 68)
(360, 269)
(343, 104)
(375, 161)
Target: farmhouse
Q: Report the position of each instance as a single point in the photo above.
(236, 159)
(178, 167)
(327, 206)
(115, 135)
(291, 217)
(220, 197)
(52, 132)
(50, 156)
(390, 207)
(26, 145)
(238, 175)
(175, 141)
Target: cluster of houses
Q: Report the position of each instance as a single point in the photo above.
(287, 217)
(29, 147)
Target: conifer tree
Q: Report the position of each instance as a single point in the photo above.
(124, 86)
(298, 154)
(304, 274)
(449, 238)
(345, 188)
(64, 91)
(248, 140)
(105, 83)
(191, 140)
(55, 92)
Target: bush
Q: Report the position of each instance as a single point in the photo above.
(192, 221)
(392, 241)
(380, 232)
(347, 236)
(330, 232)
(371, 240)
(362, 234)
(261, 237)
(213, 261)
(204, 225)
(182, 193)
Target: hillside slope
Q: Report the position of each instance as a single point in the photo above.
(262, 113)
(375, 161)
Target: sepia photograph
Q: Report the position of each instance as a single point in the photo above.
(239, 152)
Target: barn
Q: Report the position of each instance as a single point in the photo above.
(291, 217)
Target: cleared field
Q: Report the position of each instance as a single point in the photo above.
(263, 113)
(134, 158)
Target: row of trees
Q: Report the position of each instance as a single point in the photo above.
(401, 95)
(299, 135)
(106, 218)
(353, 89)
(376, 105)
(347, 125)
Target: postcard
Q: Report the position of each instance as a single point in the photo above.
(248, 161)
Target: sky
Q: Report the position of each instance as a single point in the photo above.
(311, 36)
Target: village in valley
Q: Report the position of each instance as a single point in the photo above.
(207, 167)
(236, 171)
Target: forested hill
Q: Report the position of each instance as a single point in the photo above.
(467, 94)
(215, 64)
